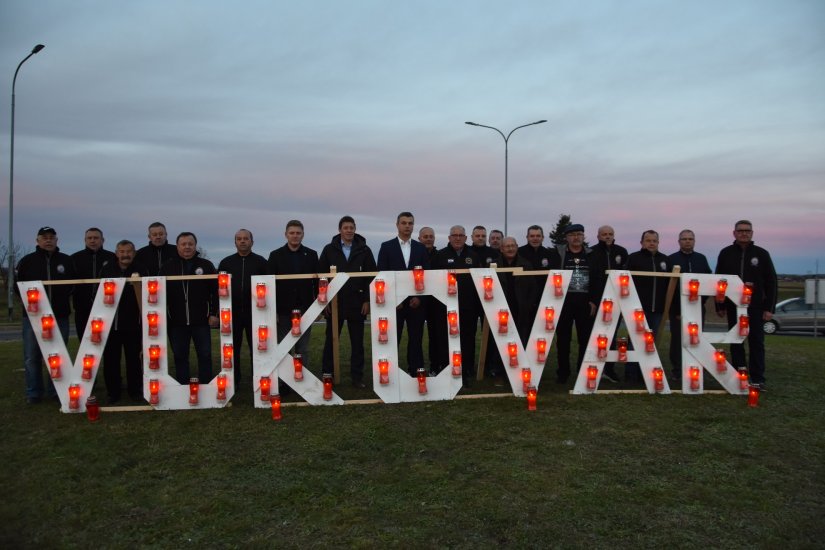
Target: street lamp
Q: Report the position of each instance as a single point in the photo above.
(35, 50)
(506, 142)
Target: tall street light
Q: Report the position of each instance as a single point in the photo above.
(506, 142)
(35, 50)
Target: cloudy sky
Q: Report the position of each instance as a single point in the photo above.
(214, 115)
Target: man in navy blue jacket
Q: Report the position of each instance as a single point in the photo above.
(402, 254)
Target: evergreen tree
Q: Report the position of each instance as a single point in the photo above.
(557, 235)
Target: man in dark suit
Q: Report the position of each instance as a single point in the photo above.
(402, 254)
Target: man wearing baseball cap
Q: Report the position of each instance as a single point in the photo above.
(46, 263)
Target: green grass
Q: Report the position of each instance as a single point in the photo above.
(603, 471)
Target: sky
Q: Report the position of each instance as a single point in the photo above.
(211, 116)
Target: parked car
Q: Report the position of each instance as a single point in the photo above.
(795, 315)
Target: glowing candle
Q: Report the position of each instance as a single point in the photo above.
(323, 287)
(607, 310)
(33, 300)
(260, 295)
(266, 385)
(263, 337)
(223, 284)
(693, 290)
(298, 367)
(152, 288)
(451, 283)
(549, 319)
(503, 321)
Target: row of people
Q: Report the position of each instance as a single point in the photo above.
(192, 304)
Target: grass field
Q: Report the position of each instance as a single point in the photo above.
(581, 471)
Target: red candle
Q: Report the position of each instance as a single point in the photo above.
(47, 326)
(380, 286)
(639, 317)
(693, 332)
(557, 282)
(260, 295)
(74, 396)
(298, 367)
(275, 402)
(152, 320)
(451, 283)
(541, 350)
(223, 284)
(452, 321)
(422, 382)
(512, 351)
(327, 387)
(418, 277)
(721, 361)
(601, 344)
(97, 331)
(592, 377)
(152, 288)
(747, 294)
(744, 325)
(33, 300)
(526, 376)
(92, 409)
(694, 378)
(721, 290)
(693, 290)
(532, 394)
(624, 285)
(743, 378)
(109, 287)
(88, 365)
(383, 325)
(549, 319)
(154, 389)
(456, 364)
(296, 322)
(384, 371)
(323, 287)
(266, 384)
(621, 345)
(487, 282)
(659, 379)
(194, 388)
(221, 384)
(753, 396)
(228, 352)
(226, 321)
(650, 342)
(154, 357)
(263, 337)
(54, 365)
(503, 321)
(607, 310)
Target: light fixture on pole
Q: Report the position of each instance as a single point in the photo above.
(506, 143)
(35, 50)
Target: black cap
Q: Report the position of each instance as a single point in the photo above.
(573, 227)
(46, 230)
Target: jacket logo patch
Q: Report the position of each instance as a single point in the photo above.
(61, 268)
(754, 262)
(199, 271)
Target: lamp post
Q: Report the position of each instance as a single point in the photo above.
(35, 50)
(506, 143)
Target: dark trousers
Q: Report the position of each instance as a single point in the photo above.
(576, 311)
(355, 327)
(756, 344)
(436, 315)
(179, 338)
(239, 327)
(414, 319)
(130, 342)
(33, 358)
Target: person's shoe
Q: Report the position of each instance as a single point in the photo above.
(468, 383)
(358, 384)
(676, 374)
(760, 386)
(610, 376)
(33, 400)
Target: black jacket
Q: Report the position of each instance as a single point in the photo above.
(128, 316)
(88, 264)
(190, 302)
(448, 258)
(521, 293)
(153, 257)
(602, 258)
(753, 265)
(42, 266)
(296, 293)
(652, 290)
(541, 257)
(356, 292)
(242, 268)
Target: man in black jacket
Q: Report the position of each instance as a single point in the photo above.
(242, 266)
(295, 294)
(192, 307)
(349, 252)
(753, 265)
(126, 328)
(46, 263)
(457, 255)
(158, 251)
(88, 264)
(652, 291)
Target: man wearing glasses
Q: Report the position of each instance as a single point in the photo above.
(753, 265)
